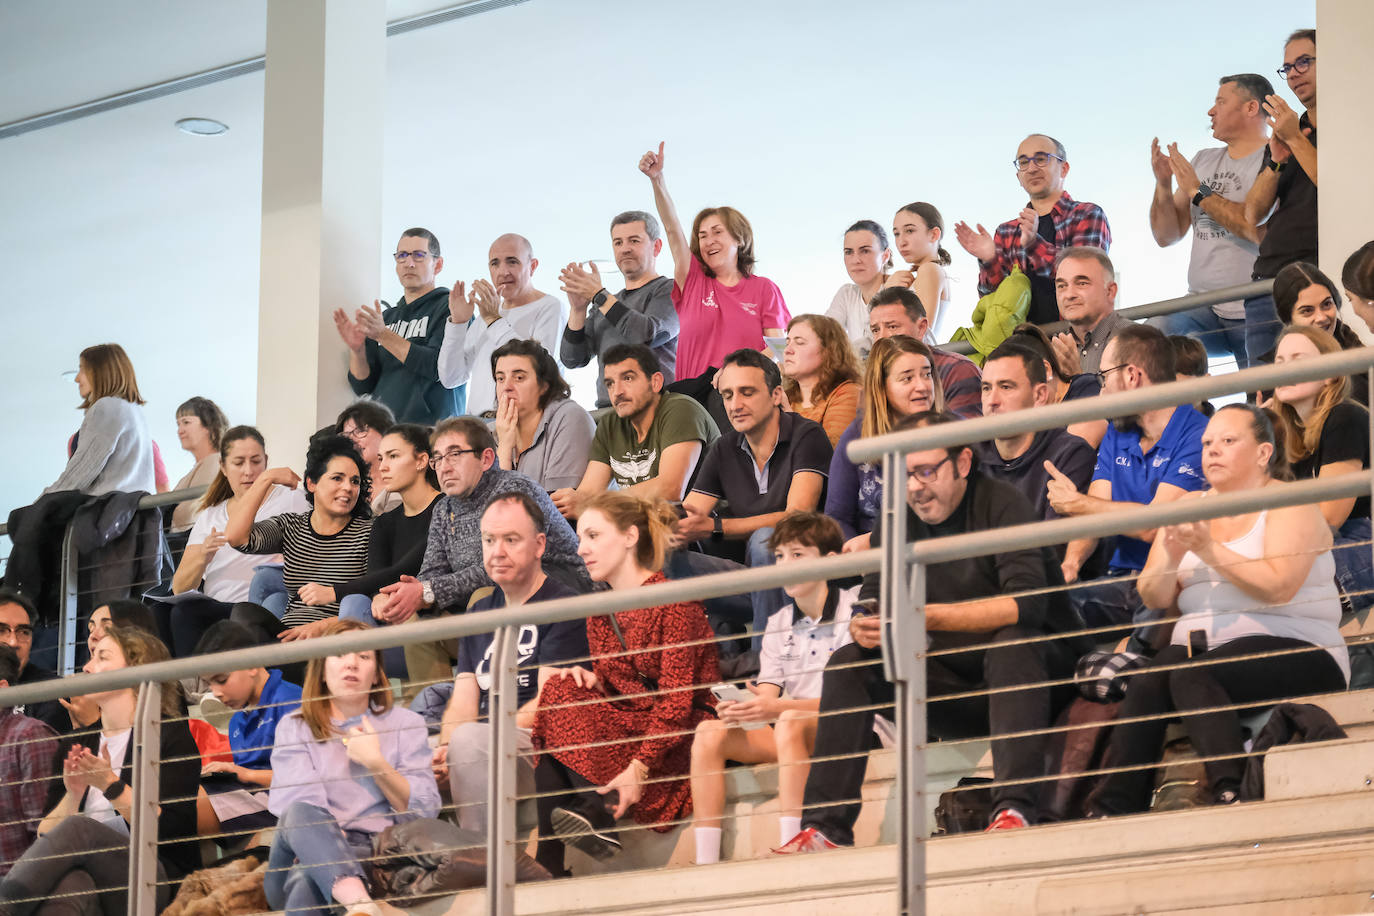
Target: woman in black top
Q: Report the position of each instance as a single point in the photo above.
(82, 846)
(1326, 435)
(1303, 295)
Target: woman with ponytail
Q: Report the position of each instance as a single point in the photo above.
(650, 667)
(1357, 276)
(867, 260)
(917, 231)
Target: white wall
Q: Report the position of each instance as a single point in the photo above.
(806, 115)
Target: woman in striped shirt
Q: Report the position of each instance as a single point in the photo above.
(320, 548)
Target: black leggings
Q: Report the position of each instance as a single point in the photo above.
(1244, 680)
(552, 776)
(79, 857)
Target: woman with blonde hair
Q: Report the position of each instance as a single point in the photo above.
(345, 766)
(82, 847)
(821, 373)
(899, 381)
(617, 732)
(113, 451)
(1325, 435)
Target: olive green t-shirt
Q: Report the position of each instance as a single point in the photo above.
(679, 418)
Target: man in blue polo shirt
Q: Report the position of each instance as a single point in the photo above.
(1149, 459)
(771, 462)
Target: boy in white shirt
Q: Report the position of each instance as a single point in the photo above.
(796, 646)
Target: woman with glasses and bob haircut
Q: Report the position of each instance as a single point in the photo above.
(1258, 612)
(113, 451)
(326, 546)
(345, 766)
(899, 382)
(1326, 434)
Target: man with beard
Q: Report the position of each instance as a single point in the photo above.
(650, 444)
(641, 313)
(1149, 459)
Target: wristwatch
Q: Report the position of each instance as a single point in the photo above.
(717, 533)
(1204, 191)
(1277, 166)
(114, 790)
(427, 594)
(600, 298)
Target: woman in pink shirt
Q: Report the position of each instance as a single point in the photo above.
(721, 304)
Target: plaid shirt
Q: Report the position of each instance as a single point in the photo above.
(28, 750)
(1075, 224)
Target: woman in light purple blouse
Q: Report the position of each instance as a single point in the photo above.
(346, 765)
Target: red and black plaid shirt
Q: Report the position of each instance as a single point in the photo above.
(28, 750)
(1075, 223)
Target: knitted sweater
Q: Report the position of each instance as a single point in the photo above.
(453, 555)
(114, 452)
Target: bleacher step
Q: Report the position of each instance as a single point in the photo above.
(1320, 768)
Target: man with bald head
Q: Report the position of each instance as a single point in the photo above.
(1050, 221)
(506, 308)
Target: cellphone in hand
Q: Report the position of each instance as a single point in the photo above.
(864, 607)
(735, 694)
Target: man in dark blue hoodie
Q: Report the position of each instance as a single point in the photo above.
(393, 354)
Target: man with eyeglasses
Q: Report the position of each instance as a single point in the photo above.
(393, 353)
(364, 422)
(507, 308)
(1050, 221)
(464, 458)
(1149, 459)
(16, 631)
(1210, 202)
(1085, 285)
(985, 616)
(1287, 186)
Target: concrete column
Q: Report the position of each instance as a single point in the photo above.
(321, 207)
(1345, 139)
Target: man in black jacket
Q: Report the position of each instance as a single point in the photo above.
(976, 607)
(393, 355)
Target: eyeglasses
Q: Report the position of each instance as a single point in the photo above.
(357, 433)
(452, 454)
(1102, 375)
(1301, 65)
(22, 632)
(1039, 160)
(927, 473)
(417, 256)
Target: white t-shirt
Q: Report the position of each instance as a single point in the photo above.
(796, 648)
(850, 310)
(465, 355)
(1219, 258)
(230, 572)
(97, 806)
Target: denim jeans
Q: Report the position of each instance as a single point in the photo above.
(1113, 600)
(1355, 562)
(310, 852)
(1221, 336)
(359, 607)
(268, 589)
(1262, 326)
(766, 601)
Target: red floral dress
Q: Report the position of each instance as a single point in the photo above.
(637, 723)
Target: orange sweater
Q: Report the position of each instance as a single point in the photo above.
(835, 411)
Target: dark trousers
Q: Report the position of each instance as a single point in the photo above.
(79, 856)
(1156, 693)
(573, 791)
(833, 786)
(188, 620)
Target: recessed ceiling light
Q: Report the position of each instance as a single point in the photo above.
(202, 127)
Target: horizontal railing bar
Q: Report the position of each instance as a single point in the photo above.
(1120, 404)
(1153, 309)
(152, 501)
(1215, 505)
(451, 626)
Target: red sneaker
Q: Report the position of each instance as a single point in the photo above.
(1007, 819)
(809, 840)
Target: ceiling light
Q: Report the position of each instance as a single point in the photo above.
(202, 127)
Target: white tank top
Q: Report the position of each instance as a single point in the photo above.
(1211, 603)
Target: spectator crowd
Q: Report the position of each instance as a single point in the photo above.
(467, 480)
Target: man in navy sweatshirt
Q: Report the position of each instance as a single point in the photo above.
(393, 354)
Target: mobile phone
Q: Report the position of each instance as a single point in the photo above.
(736, 694)
(864, 607)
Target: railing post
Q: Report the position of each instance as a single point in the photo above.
(902, 606)
(147, 754)
(502, 702)
(66, 620)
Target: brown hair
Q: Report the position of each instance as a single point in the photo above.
(810, 529)
(1145, 347)
(139, 647)
(1357, 274)
(315, 698)
(1302, 440)
(877, 418)
(737, 226)
(1031, 335)
(1267, 426)
(933, 220)
(838, 362)
(219, 489)
(110, 374)
(474, 432)
(654, 519)
(209, 415)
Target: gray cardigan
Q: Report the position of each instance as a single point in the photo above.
(114, 452)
